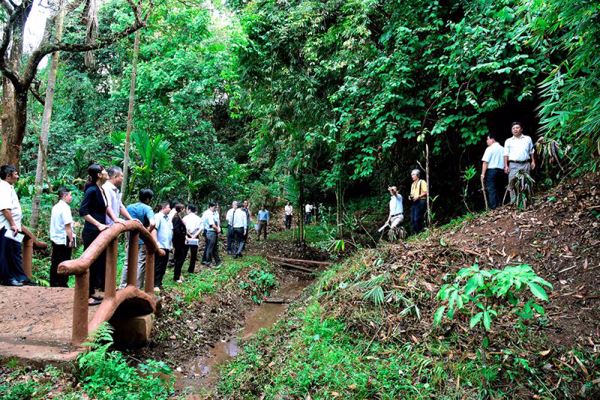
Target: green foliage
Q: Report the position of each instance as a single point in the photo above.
(570, 111)
(483, 294)
(260, 283)
(106, 375)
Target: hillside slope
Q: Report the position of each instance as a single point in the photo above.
(367, 329)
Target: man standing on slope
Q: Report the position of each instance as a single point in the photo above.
(518, 155)
(492, 170)
(396, 215)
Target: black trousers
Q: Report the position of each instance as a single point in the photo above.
(493, 183)
(417, 214)
(11, 259)
(230, 240)
(60, 253)
(180, 252)
(98, 268)
(239, 240)
(193, 257)
(288, 222)
(160, 267)
(211, 249)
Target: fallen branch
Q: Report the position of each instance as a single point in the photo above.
(295, 260)
(296, 267)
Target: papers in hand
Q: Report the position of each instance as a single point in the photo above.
(10, 234)
(191, 242)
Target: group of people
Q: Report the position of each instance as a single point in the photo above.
(518, 154)
(418, 198)
(176, 227)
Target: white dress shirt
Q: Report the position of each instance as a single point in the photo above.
(494, 156)
(208, 219)
(289, 210)
(396, 206)
(237, 218)
(113, 199)
(193, 224)
(9, 201)
(519, 149)
(61, 216)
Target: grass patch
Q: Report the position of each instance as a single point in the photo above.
(209, 280)
(312, 234)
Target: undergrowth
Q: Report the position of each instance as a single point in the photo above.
(323, 351)
(209, 280)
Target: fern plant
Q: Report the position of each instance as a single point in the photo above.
(105, 374)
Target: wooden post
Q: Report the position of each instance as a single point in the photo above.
(149, 284)
(80, 308)
(27, 255)
(132, 258)
(110, 286)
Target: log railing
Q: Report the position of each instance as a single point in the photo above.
(108, 240)
(29, 243)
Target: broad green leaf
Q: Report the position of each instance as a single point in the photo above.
(538, 291)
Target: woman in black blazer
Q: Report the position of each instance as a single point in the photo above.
(93, 209)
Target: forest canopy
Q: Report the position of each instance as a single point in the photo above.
(316, 99)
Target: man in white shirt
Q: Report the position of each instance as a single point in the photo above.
(114, 196)
(164, 237)
(11, 256)
(492, 170)
(239, 223)
(61, 236)
(308, 213)
(289, 212)
(229, 218)
(518, 155)
(396, 214)
(194, 227)
(212, 229)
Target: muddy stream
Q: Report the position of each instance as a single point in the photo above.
(203, 372)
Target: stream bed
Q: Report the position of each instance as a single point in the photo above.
(203, 372)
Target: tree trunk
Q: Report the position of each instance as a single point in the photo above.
(136, 52)
(14, 119)
(428, 185)
(300, 180)
(339, 208)
(40, 172)
(14, 102)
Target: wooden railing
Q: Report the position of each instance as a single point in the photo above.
(108, 240)
(29, 243)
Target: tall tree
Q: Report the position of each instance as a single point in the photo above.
(19, 70)
(136, 53)
(40, 172)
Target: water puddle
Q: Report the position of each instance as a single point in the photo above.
(203, 371)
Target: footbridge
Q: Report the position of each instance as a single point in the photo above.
(50, 324)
